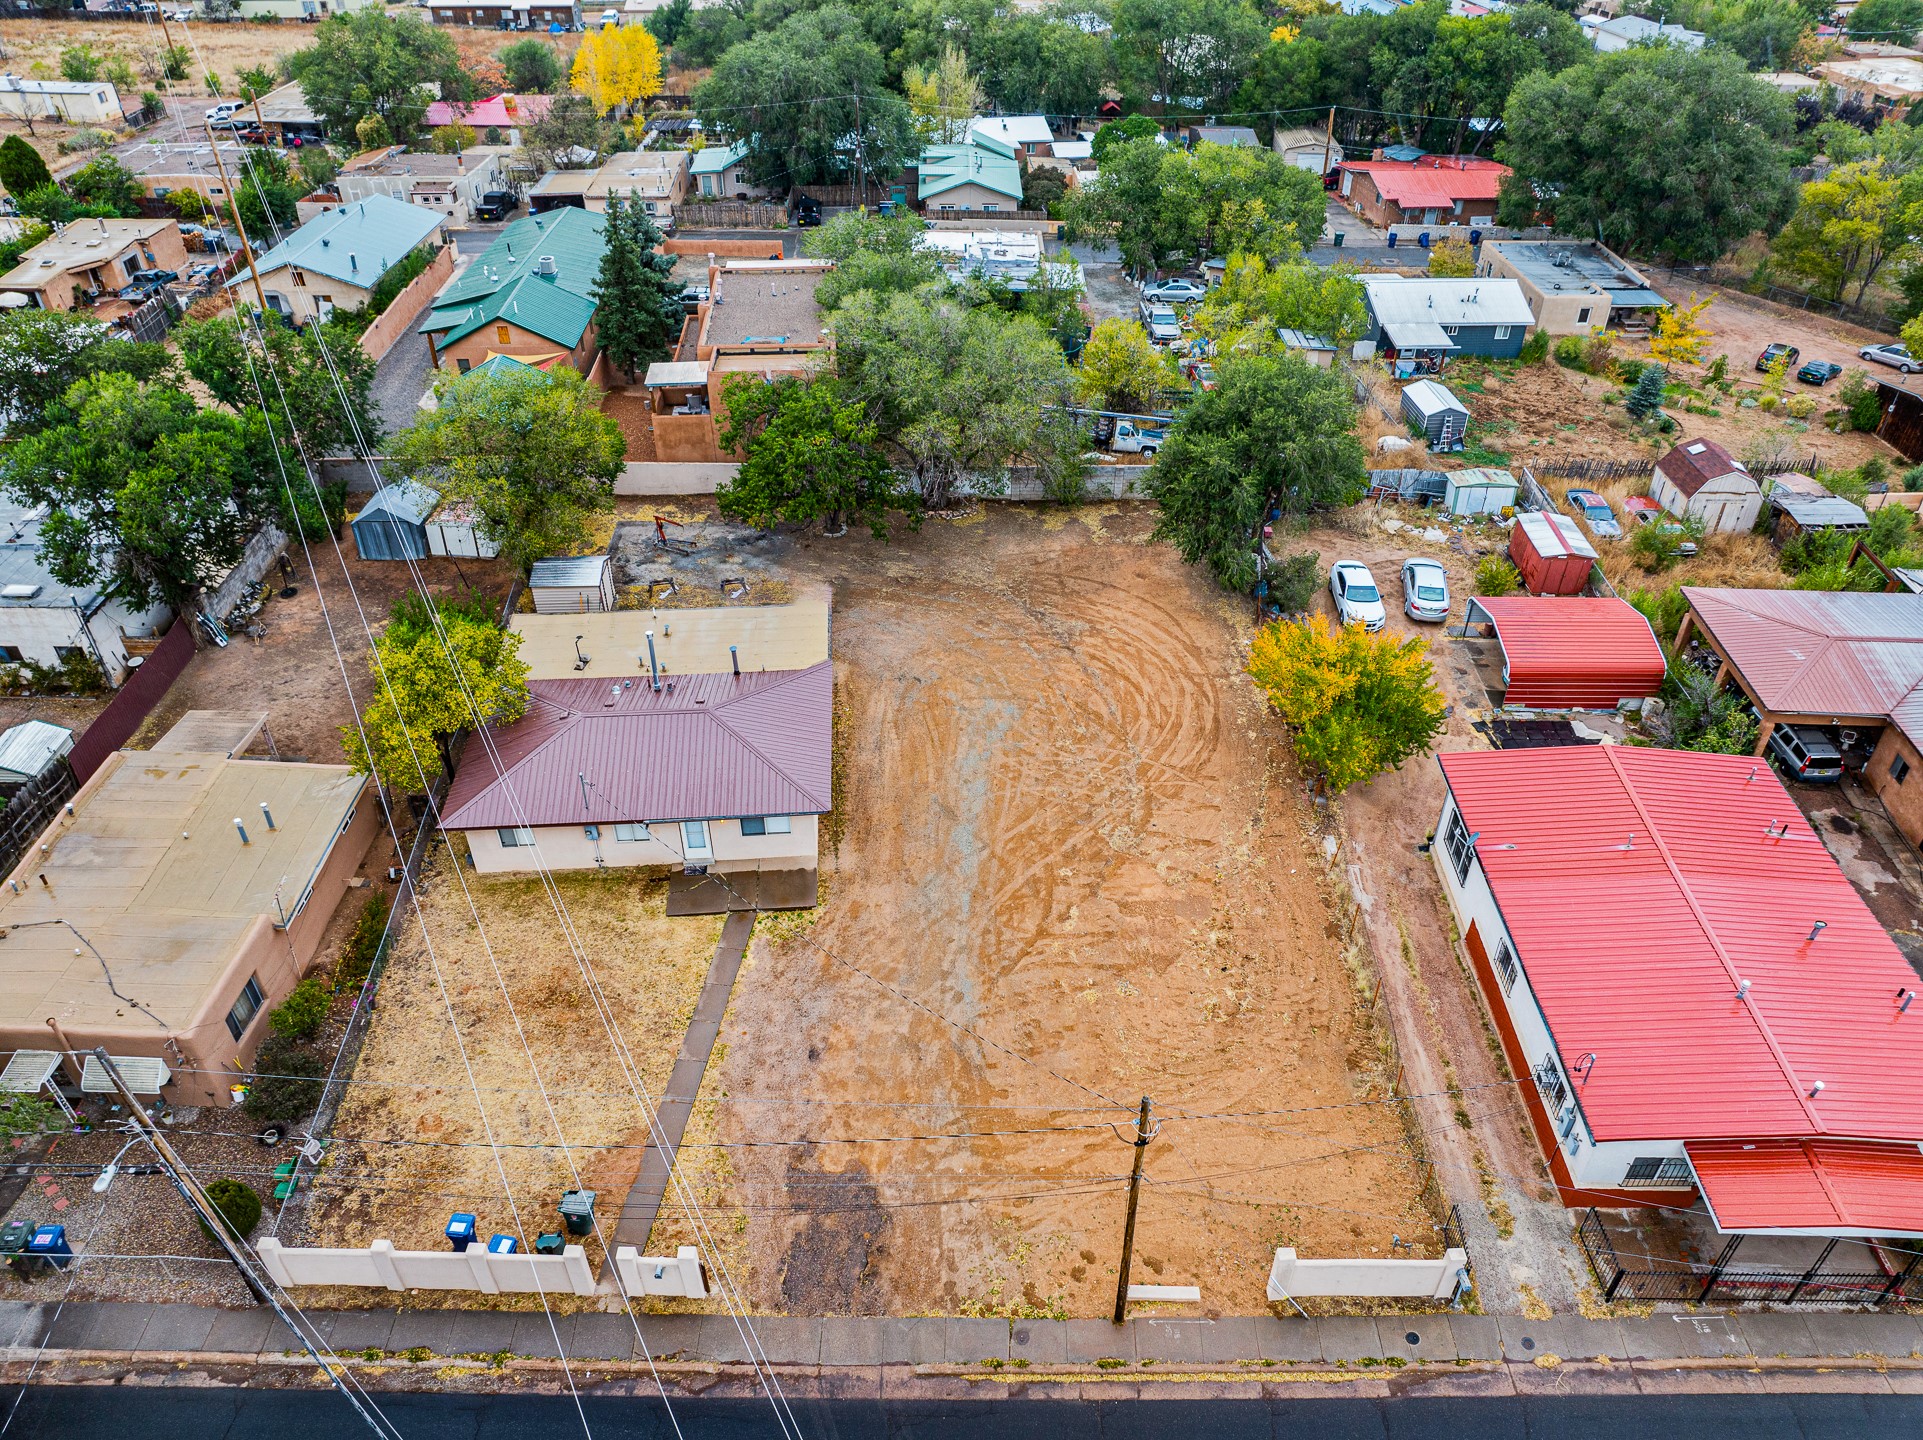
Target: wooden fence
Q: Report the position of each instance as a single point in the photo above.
(730, 215)
(115, 725)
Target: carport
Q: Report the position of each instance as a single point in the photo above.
(1570, 652)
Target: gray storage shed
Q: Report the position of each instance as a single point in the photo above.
(28, 750)
(393, 524)
(572, 584)
(1434, 410)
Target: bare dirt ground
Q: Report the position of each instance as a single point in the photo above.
(1077, 869)
(76, 712)
(292, 672)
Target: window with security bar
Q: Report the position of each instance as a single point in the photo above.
(1657, 1173)
(1554, 1089)
(1506, 967)
(1462, 850)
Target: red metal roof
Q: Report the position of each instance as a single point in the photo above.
(1694, 463)
(1822, 1185)
(1434, 181)
(1817, 652)
(1574, 652)
(714, 747)
(1641, 888)
(479, 114)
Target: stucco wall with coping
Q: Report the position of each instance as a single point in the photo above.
(569, 847)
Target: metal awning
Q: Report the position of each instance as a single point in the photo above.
(1634, 300)
(1814, 1186)
(28, 1070)
(676, 372)
(1417, 335)
(144, 1075)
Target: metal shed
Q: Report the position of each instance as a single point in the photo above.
(572, 584)
(1571, 653)
(1550, 553)
(454, 529)
(392, 525)
(1434, 410)
(28, 749)
(1480, 492)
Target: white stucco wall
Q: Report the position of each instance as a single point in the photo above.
(570, 847)
(37, 630)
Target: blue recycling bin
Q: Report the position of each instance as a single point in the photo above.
(460, 1230)
(1423, 239)
(502, 1245)
(1475, 237)
(1392, 239)
(49, 1245)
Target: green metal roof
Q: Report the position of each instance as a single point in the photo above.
(713, 159)
(504, 285)
(501, 365)
(987, 162)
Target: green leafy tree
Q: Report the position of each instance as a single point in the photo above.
(1276, 433)
(104, 186)
(807, 455)
(638, 311)
(256, 81)
(267, 191)
(568, 137)
(80, 64)
(532, 451)
(44, 352)
(1657, 149)
(298, 371)
(805, 98)
(959, 391)
(21, 168)
(1040, 64)
(1895, 21)
(1120, 132)
(669, 22)
(1356, 704)
(533, 67)
(48, 203)
(14, 250)
(174, 60)
(1120, 370)
(1295, 582)
(877, 253)
(365, 63)
(1849, 225)
(148, 496)
(429, 685)
(1186, 52)
(1242, 315)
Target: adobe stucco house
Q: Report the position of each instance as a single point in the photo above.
(530, 296)
(1701, 478)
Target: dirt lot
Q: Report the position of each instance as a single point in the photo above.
(33, 47)
(291, 673)
(1077, 869)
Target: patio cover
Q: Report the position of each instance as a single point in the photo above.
(1856, 1188)
(1417, 335)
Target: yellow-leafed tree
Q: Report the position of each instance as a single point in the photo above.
(617, 66)
(1679, 337)
(1357, 704)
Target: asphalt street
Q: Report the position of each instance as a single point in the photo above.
(217, 1414)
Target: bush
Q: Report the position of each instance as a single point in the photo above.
(1800, 407)
(1535, 349)
(363, 944)
(302, 1013)
(1861, 407)
(1599, 353)
(1663, 609)
(1570, 351)
(1913, 479)
(1719, 370)
(1659, 545)
(1645, 401)
(1630, 371)
(287, 1081)
(309, 519)
(237, 1203)
(1294, 581)
(1495, 576)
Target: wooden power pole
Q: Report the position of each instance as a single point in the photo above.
(233, 203)
(1142, 1137)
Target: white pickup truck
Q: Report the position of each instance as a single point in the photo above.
(1131, 439)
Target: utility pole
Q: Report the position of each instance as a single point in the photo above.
(1328, 144)
(233, 203)
(191, 1192)
(1142, 1137)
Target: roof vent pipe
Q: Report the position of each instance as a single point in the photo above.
(243, 831)
(734, 660)
(654, 668)
(1815, 1089)
(1904, 997)
(1819, 927)
(1742, 990)
(267, 815)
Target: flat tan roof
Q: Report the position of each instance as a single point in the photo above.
(83, 244)
(220, 732)
(686, 642)
(639, 172)
(151, 872)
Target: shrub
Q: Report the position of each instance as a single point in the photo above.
(302, 1013)
(1719, 370)
(1645, 402)
(1294, 581)
(1768, 403)
(1495, 576)
(287, 1081)
(1861, 407)
(1535, 349)
(1663, 609)
(1913, 478)
(1800, 407)
(363, 944)
(28, 1115)
(1631, 370)
(308, 518)
(1599, 352)
(1570, 351)
(1659, 545)
(237, 1203)
(1875, 472)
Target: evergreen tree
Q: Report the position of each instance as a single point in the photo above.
(1647, 398)
(21, 168)
(638, 312)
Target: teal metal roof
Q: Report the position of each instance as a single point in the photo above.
(504, 285)
(355, 244)
(502, 365)
(987, 162)
(713, 159)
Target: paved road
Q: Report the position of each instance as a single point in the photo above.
(301, 1415)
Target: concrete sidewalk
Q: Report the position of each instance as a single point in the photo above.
(864, 1342)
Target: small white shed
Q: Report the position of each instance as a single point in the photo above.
(1701, 478)
(572, 584)
(28, 749)
(1431, 408)
(455, 529)
(1480, 492)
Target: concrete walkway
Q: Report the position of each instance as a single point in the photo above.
(684, 1084)
(1390, 1341)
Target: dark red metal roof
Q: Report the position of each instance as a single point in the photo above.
(1694, 463)
(1828, 1186)
(1574, 652)
(1642, 887)
(600, 751)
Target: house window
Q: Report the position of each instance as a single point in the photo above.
(1899, 767)
(514, 836)
(502, 335)
(67, 654)
(1451, 330)
(1462, 847)
(766, 825)
(694, 840)
(300, 279)
(991, 206)
(245, 1008)
(625, 834)
(1505, 965)
(9, 654)
(463, 365)
(1502, 332)
(1655, 1173)
(1554, 1089)
(1582, 316)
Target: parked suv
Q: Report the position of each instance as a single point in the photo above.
(1161, 323)
(495, 205)
(1805, 753)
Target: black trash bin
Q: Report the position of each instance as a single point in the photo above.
(552, 1243)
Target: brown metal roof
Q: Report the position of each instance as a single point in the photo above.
(1694, 463)
(702, 747)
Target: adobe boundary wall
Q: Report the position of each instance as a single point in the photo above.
(399, 317)
(769, 249)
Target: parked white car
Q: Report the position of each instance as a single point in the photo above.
(222, 111)
(1178, 291)
(1894, 355)
(1425, 589)
(1358, 600)
(1161, 322)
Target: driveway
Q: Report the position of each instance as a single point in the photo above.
(399, 382)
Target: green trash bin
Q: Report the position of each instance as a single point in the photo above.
(13, 1245)
(552, 1243)
(1336, 239)
(577, 1209)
